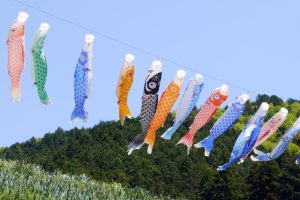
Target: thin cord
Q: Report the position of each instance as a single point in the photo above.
(131, 46)
(25, 8)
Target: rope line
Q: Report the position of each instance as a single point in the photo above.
(171, 61)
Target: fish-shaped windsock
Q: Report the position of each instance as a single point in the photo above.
(248, 137)
(297, 160)
(164, 107)
(124, 84)
(39, 65)
(16, 54)
(269, 128)
(149, 103)
(186, 105)
(234, 111)
(82, 79)
(280, 146)
(205, 114)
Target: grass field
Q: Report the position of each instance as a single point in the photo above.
(26, 181)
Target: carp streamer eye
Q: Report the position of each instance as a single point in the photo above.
(82, 58)
(216, 97)
(40, 43)
(173, 89)
(152, 85)
(238, 106)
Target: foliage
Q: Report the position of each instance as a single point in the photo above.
(27, 181)
(101, 153)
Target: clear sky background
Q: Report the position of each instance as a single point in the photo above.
(254, 44)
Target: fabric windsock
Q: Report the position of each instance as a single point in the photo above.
(248, 137)
(280, 146)
(123, 87)
(149, 104)
(82, 80)
(16, 54)
(39, 63)
(186, 105)
(231, 115)
(165, 104)
(205, 114)
(269, 128)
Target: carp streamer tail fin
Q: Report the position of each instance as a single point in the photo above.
(16, 93)
(137, 143)
(207, 143)
(170, 132)
(260, 156)
(150, 140)
(124, 112)
(44, 97)
(80, 113)
(188, 140)
(225, 166)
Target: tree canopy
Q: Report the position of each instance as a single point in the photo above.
(101, 153)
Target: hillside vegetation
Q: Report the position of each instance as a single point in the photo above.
(27, 181)
(101, 153)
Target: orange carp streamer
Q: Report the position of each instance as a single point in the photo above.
(164, 107)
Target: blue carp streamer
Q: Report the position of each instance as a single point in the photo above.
(234, 111)
(82, 80)
(297, 160)
(280, 146)
(248, 137)
(186, 105)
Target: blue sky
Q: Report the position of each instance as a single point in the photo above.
(254, 44)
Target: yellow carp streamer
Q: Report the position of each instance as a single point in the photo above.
(123, 87)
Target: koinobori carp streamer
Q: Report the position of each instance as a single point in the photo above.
(186, 105)
(270, 127)
(16, 54)
(280, 146)
(149, 103)
(205, 114)
(82, 79)
(297, 161)
(164, 107)
(248, 137)
(234, 111)
(39, 65)
(124, 85)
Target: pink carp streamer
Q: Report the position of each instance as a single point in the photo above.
(207, 111)
(16, 54)
(268, 129)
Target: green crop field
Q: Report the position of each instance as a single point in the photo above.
(27, 181)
